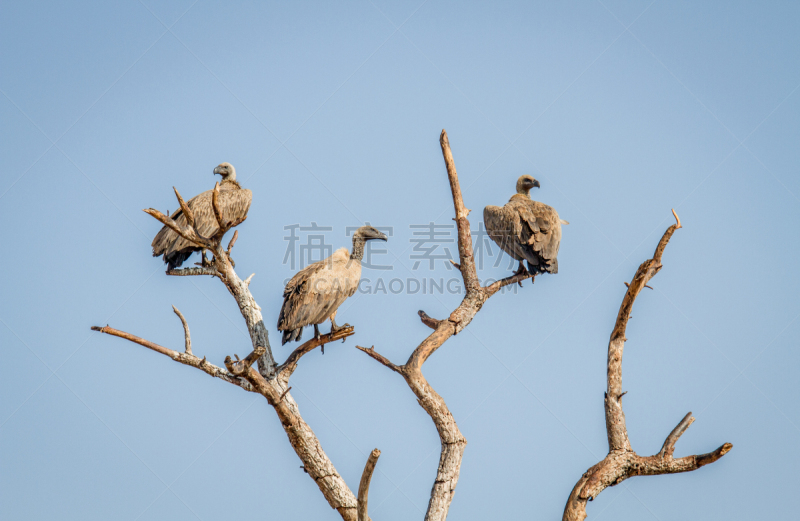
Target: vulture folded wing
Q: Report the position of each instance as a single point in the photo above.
(295, 297)
(233, 204)
(166, 236)
(317, 291)
(503, 227)
(543, 229)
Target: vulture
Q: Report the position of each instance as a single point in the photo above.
(234, 202)
(525, 229)
(316, 292)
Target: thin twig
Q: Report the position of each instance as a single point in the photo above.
(427, 320)
(382, 359)
(233, 241)
(187, 337)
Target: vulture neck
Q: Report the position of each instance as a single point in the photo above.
(522, 193)
(231, 182)
(358, 248)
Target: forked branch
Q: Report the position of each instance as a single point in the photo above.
(301, 437)
(452, 441)
(622, 462)
(265, 380)
(183, 358)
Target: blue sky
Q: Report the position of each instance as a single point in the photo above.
(331, 113)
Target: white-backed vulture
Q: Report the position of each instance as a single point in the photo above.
(525, 229)
(234, 202)
(316, 292)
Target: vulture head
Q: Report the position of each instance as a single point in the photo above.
(525, 183)
(367, 233)
(227, 171)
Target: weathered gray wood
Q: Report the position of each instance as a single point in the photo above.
(265, 381)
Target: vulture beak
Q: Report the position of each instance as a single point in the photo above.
(216, 171)
(381, 236)
(536, 183)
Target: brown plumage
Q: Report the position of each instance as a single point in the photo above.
(316, 292)
(234, 202)
(525, 229)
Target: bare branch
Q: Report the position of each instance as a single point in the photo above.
(187, 233)
(262, 381)
(677, 219)
(191, 272)
(669, 444)
(615, 417)
(467, 266)
(248, 279)
(240, 367)
(382, 359)
(427, 320)
(622, 462)
(363, 487)
(183, 358)
(498, 285)
(217, 210)
(287, 368)
(711, 457)
(452, 441)
(187, 337)
(233, 241)
(187, 212)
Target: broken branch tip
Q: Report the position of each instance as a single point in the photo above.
(677, 219)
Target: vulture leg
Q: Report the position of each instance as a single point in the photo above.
(335, 328)
(316, 331)
(520, 271)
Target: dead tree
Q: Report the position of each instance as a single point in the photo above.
(272, 380)
(622, 462)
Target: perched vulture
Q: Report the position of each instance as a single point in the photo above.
(317, 291)
(233, 202)
(526, 229)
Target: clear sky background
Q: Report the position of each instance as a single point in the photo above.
(331, 113)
